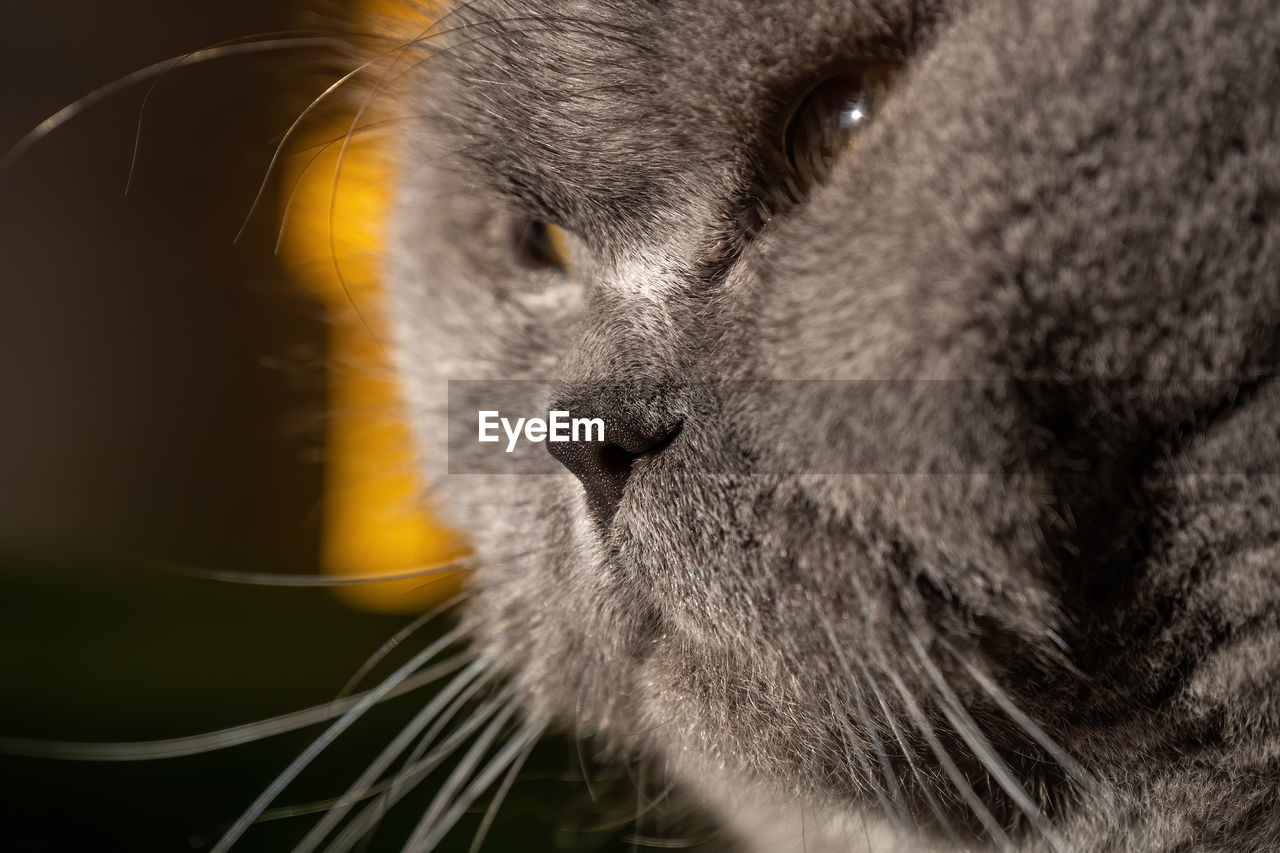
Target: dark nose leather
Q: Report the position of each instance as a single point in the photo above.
(603, 467)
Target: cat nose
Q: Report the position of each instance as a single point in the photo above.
(603, 467)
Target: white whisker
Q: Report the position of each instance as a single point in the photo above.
(70, 111)
(1077, 771)
(310, 580)
(154, 750)
(429, 831)
(398, 638)
(967, 728)
(398, 744)
(898, 813)
(949, 767)
(925, 787)
(500, 795)
(417, 770)
(428, 825)
(321, 743)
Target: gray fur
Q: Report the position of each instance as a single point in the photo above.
(1052, 194)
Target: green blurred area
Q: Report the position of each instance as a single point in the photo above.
(108, 652)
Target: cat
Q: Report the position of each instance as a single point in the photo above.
(934, 345)
(1005, 574)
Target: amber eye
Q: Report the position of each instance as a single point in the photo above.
(828, 121)
(539, 245)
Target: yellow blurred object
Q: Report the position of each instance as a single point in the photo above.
(374, 519)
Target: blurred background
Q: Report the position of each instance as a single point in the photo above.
(165, 394)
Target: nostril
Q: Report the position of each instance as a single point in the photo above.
(635, 443)
(617, 460)
(618, 457)
(604, 467)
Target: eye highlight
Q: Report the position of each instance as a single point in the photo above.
(830, 119)
(539, 245)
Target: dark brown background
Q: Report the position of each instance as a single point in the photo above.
(133, 334)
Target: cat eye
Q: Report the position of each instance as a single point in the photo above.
(829, 120)
(538, 245)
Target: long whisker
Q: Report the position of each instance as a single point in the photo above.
(154, 750)
(293, 192)
(321, 806)
(1074, 768)
(957, 778)
(645, 809)
(373, 790)
(431, 829)
(417, 770)
(301, 580)
(310, 580)
(501, 795)
(398, 638)
(319, 150)
(967, 727)
(330, 735)
(463, 772)
(78, 106)
(925, 787)
(661, 843)
(388, 755)
(288, 134)
(177, 63)
(415, 758)
(898, 813)
(851, 753)
(276, 813)
(337, 175)
(577, 729)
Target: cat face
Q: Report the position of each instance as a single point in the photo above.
(901, 307)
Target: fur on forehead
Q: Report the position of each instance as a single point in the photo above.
(546, 99)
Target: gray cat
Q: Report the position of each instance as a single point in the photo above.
(935, 343)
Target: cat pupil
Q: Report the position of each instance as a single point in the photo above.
(540, 245)
(827, 122)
